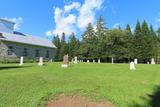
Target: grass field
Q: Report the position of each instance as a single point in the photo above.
(29, 85)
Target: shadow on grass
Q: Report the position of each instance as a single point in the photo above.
(12, 67)
(153, 99)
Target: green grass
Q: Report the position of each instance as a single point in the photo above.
(27, 86)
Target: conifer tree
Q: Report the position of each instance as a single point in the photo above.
(137, 41)
(73, 46)
(64, 48)
(57, 43)
(129, 45)
(146, 42)
(89, 43)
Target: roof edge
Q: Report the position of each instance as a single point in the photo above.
(28, 44)
(2, 19)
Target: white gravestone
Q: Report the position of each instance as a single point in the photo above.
(148, 62)
(112, 60)
(93, 61)
(40, 61)
(132, 66)
(87, 61)
(75, 60)
(136, 61)
(51, 60)
(21, 60)
(72, 60)
(152, 61)
(99, 61)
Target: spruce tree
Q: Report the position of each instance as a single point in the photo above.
(137, 41)
(73, 46)
(89, 41)
(101, 36)
(129, 43)
(147, 46)
(64, 48)
(100, 27)
(57, 43)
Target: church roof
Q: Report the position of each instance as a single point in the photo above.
(5, 20)
(26, 39)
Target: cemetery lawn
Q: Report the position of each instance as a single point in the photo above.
(31, 85)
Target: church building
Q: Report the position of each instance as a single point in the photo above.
(14, 44)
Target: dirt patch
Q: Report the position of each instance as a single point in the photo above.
(76, 101)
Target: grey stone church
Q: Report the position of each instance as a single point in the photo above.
(13, 44)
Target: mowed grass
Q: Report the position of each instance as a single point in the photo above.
(28, 85)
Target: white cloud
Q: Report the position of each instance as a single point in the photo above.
(158, 19)
(73, 5)
(18, 22)
(49, 33)
(156, 25)
(87, 12)
(63, 23)
(68, 21)
(115, 26)
(132, 29)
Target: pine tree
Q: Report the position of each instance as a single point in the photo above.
(89, 43)
(158, 32)
(152, 32)
(73, 46)
(64, 48)
(101, 36)
(137, 41)
(57, 43)
(129, 44)
(128, 29)
(158, 45)
(147, 46)
(100, 27)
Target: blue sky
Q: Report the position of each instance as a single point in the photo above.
(49, 17)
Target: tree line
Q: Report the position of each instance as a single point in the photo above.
(102, 43)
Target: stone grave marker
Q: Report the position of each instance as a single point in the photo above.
(112, 60)
(40, 61)
(51, 60)
(65, 63)
(75, 60)
(87, 61)
(99, 61)
(132, 66)
(153, 61)
(72, 60)
(21, 60)
(136, 61)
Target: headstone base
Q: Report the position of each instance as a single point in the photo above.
(64, 65)
(40, 64)
(153, 63)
